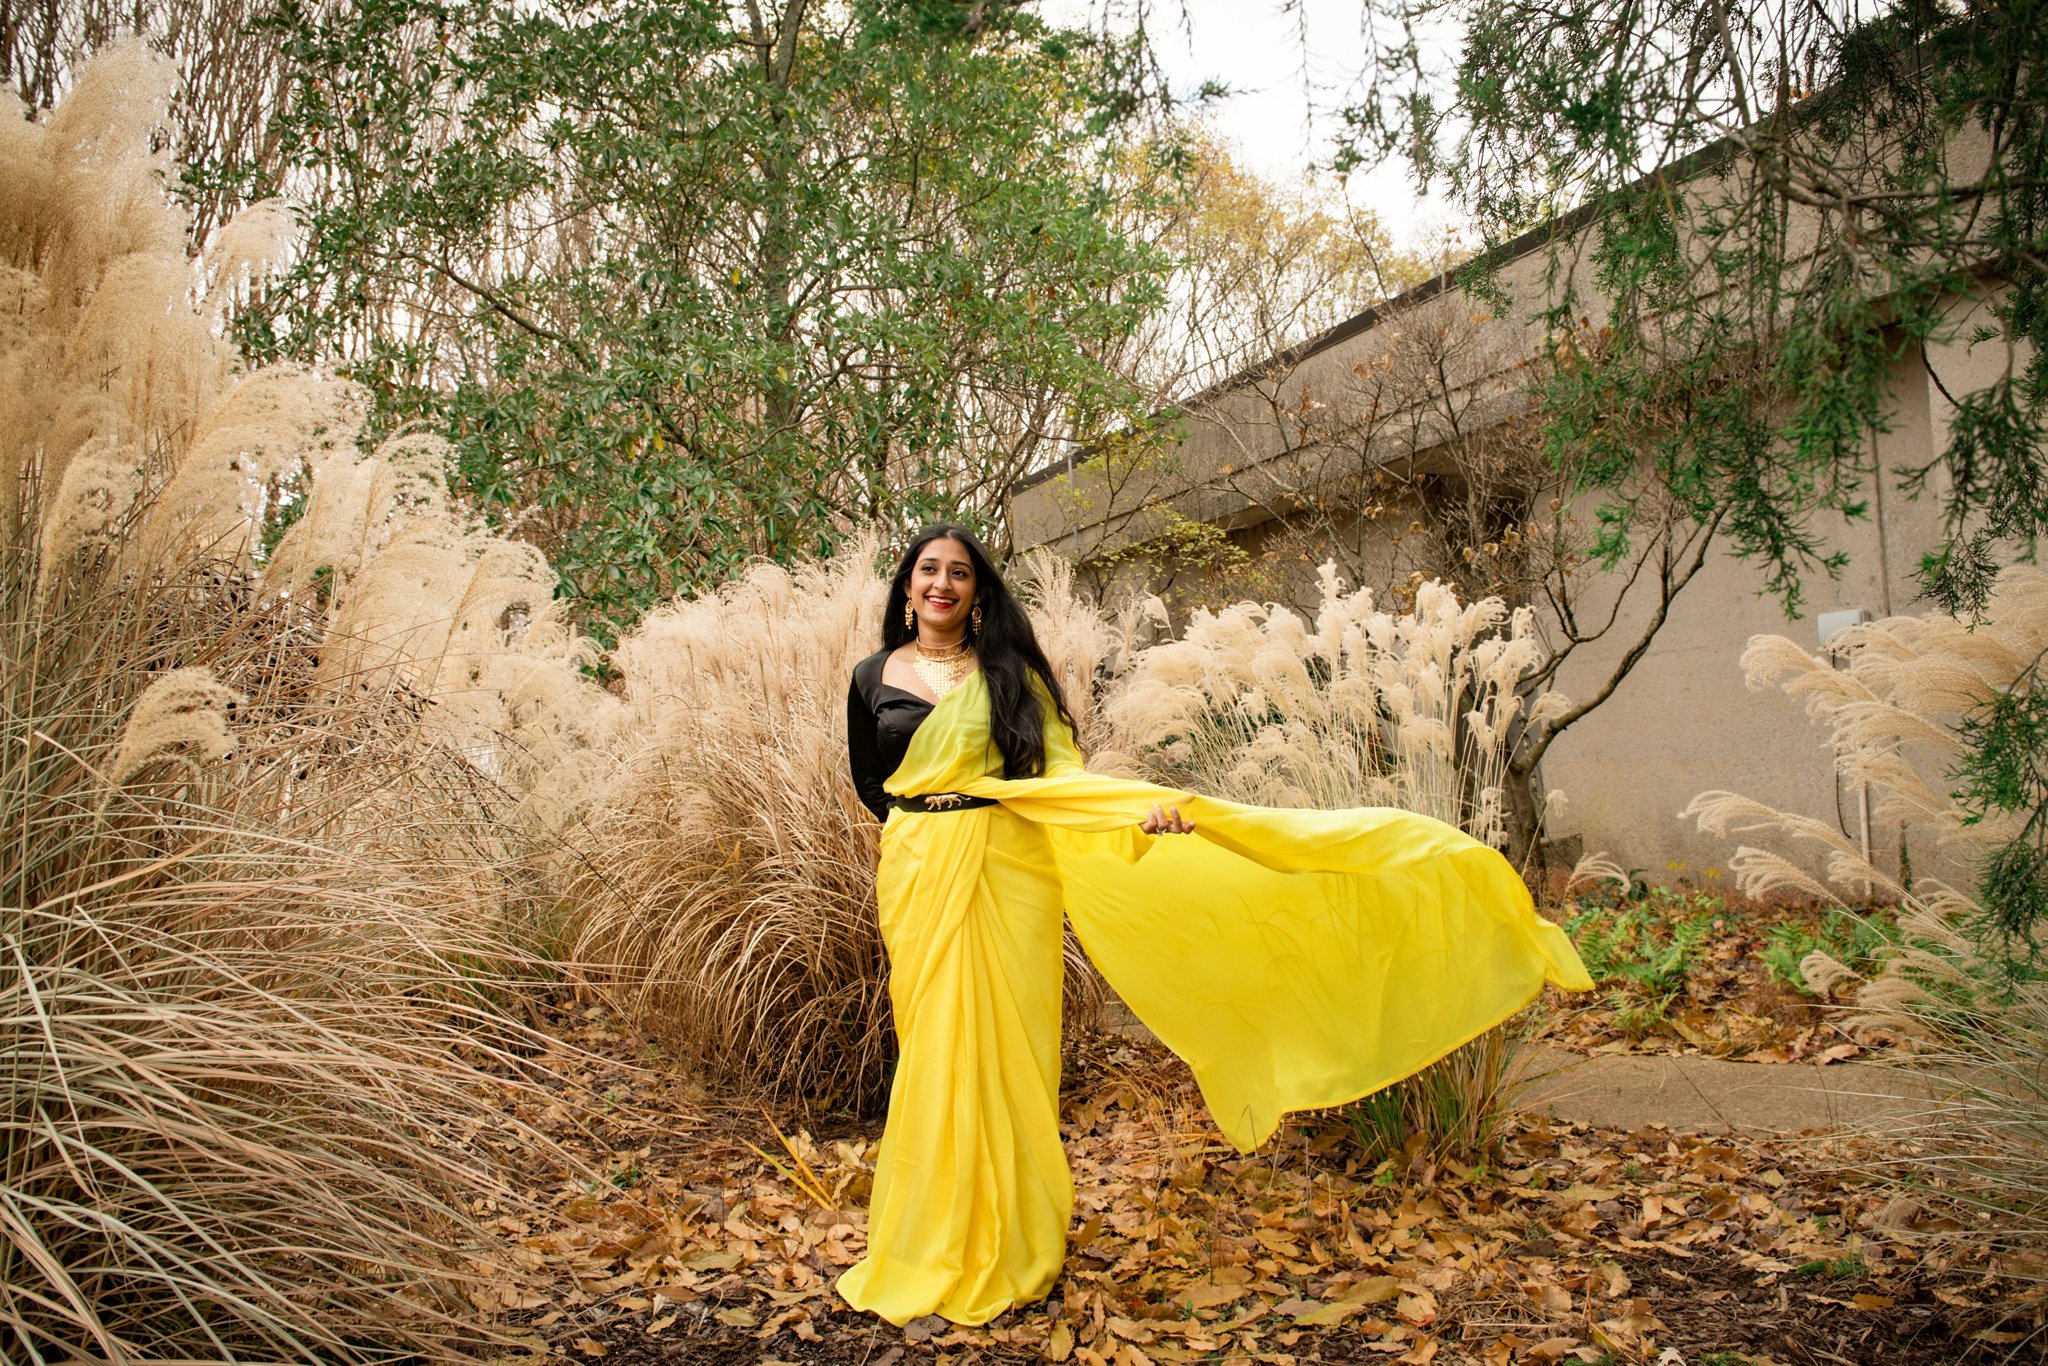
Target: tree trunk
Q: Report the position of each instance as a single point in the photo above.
(1522, 823)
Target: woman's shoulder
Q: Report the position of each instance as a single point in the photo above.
(867, 675)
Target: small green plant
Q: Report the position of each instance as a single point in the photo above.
(1643, 941)
(1646, 937)
(1847, 1267)
(1452, 1109)
(1857, 940)
(1664, 969)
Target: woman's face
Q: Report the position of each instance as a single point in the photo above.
(942, 587)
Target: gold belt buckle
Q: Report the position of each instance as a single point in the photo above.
(944, 801)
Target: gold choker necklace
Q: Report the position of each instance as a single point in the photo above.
(943, 670)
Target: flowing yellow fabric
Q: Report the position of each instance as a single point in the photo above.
(1294, 959)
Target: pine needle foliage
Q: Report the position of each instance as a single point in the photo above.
(2002, 778)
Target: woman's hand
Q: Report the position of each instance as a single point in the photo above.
(1166, 822)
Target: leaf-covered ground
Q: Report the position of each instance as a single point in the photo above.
(1679, 971)
(716, 1234)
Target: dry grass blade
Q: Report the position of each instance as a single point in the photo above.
(251, 1038)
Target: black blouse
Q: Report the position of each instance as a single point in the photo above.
(880, 719)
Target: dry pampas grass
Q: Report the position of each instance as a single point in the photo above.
(732, 867)
(1361, 708)
(354, 504)
(253, 942)
(730, 873)
(1980, 1143)
(1891, 715)
(268, 424)
(273, 883)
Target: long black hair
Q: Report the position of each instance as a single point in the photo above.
(1006, 645)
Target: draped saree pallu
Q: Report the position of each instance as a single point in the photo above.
(1294, 959)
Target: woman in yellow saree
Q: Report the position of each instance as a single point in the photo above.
(1294, 959)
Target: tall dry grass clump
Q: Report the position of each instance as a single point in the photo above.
(1362, 707)
(243, 1013)
(266, 892)
(1892, 715)
(732, 876)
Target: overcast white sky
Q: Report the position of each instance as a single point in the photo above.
(1289, 72)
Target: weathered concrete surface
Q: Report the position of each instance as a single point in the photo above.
(1691, 1094)
(1713, 1095)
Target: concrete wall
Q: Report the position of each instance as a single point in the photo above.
(1683, 721)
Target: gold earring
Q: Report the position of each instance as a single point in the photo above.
(909, 618)
(974, 618)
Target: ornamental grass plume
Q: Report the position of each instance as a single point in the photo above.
(1363, 708)
(1892, 716)
(90, 505)
(1085, 647)
(265, 425)
(355, 503)
(261, 933)
(182, 715)
(95, 176)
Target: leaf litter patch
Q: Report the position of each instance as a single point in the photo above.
(715, 1230)
(1680, 972)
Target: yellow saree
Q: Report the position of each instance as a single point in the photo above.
(1294, 959)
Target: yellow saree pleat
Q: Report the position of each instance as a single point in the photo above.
(1294, 959)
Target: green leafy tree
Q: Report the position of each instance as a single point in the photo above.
(1835, 176)
(689, 283)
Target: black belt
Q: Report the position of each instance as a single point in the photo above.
(941, 801)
